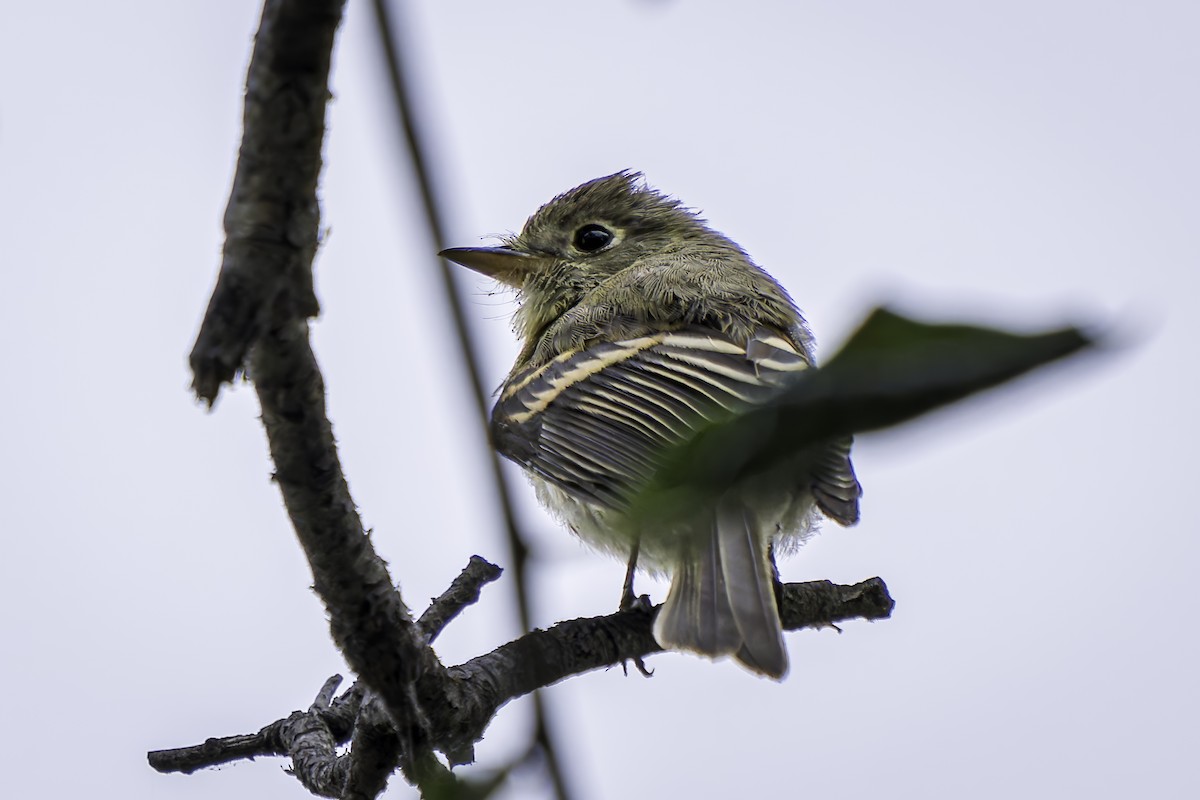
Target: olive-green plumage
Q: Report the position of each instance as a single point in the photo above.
(642, 325)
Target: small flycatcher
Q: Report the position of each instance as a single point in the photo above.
(641, 325)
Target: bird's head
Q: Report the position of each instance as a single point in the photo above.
(583, 237)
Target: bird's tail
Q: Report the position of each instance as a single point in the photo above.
(722, 599)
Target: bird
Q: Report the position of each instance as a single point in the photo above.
(640, 326)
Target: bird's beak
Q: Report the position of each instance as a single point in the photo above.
(502, 263)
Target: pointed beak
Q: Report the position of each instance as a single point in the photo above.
(502, 263)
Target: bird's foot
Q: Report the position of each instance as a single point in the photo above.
(639, 603)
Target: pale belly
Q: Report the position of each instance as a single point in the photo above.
(787, 518)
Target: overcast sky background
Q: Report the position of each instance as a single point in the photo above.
(1023, 163)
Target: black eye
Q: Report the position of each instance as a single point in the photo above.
(591, 238)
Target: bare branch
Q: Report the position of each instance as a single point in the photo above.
(463, 592)
(462, 703)
(271, 220)
(338, 718)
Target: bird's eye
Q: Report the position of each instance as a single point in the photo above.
(591, 238)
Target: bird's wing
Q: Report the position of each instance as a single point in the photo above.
(594, 422)
(834, 484)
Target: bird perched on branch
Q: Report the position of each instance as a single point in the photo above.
(641, 327)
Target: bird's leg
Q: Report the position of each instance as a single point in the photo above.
(778, 584)
(630, 600)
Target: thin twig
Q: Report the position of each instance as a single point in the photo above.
(338, 718)
(469, 356)
(463, 591)
(518, 548)
(325, 697)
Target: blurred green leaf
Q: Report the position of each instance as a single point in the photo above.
(891, 370)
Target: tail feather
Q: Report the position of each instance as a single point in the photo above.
(722, 602)
(750, 584)
(696, 615)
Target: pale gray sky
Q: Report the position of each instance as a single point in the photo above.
(1022, 163)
